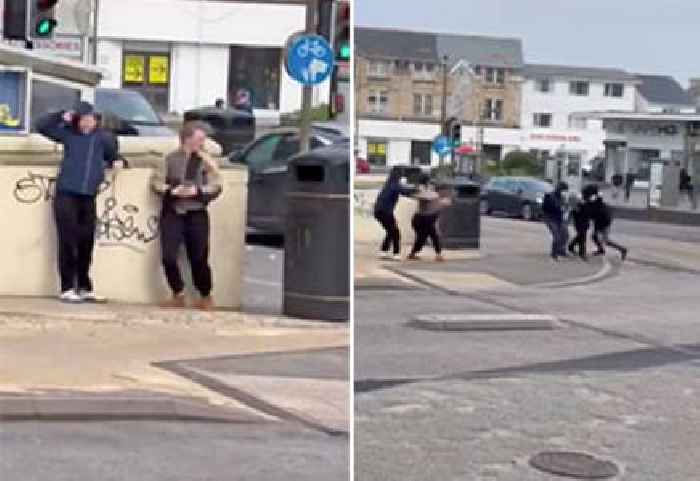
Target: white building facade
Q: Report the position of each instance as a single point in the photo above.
(551, 97)
(182, 54)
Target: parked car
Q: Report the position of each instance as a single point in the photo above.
(514, 196)
(230, 128)
(266, 158)
(128, 113)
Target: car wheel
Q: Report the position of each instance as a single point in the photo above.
(526, 212)
(484, 207)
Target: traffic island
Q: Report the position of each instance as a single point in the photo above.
(485, 322)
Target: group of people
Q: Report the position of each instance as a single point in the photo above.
(588, 209)
(187, 181)
(424, 220)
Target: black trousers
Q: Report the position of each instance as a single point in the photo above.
(192, 229)
(426, 228)
(75, 225)
(393, 235)
(580, 242)
(601, 237)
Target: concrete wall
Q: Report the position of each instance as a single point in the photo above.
(126, 264)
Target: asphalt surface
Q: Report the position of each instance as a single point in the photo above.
(263, 276)
(617, 380)
(158, 451)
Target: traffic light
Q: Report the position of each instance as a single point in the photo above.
(456, 133)
(325, 19)
(342, 32)
(27, 19)
(43, 20)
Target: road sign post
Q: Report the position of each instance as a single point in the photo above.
(309, 60)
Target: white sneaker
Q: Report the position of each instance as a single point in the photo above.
(383, 255)
(70, 297)
(90, 296)
(396, 257)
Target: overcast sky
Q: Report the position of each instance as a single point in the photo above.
(640, 36)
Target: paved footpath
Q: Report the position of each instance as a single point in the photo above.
(50, 350)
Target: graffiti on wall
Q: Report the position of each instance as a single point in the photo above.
(118, 223)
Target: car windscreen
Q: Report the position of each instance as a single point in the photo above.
(129, 106)
(536, 186)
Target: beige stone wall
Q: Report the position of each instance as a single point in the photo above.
(126, 264)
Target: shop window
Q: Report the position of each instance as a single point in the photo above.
(255, 71)
(13, 98)
(149, 74)
(51, 97)
(377, 152)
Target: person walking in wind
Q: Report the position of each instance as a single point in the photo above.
(87, 151)
(188, 180)
(553, 211)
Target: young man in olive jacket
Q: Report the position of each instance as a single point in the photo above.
(87, 151)
(188, 180)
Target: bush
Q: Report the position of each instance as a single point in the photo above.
(318, 114)
(520, 163)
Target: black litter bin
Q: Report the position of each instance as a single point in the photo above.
(460, 223)
(231, 128)
(317, 235)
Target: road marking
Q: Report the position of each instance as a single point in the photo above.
(261, 282)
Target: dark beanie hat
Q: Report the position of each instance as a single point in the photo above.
(84, 108)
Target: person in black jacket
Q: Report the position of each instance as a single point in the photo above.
(553, 213)
(87, 151)
(601, 215)
(582, 221)
(384, 213)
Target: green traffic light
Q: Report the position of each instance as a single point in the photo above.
(345, 51)
(45, 26)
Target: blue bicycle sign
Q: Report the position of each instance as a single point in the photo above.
(310, 59)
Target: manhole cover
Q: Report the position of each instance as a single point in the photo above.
(574, 465)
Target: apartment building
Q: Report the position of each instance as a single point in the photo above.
(552, 94)
(403, 76)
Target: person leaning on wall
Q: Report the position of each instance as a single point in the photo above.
(188, 180)
(88, 150)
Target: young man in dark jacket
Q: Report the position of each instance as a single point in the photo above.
(553, 213)
(602, 220)
(384, 213)
(188, 180)
(87, 151)
(582, 220)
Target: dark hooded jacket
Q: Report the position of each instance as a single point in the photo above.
(85, 156)
(600, 214)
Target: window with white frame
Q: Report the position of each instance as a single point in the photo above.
(614, 90)
(423, 104)
(500, 76)
(493, 109)
(378, 101)
(542, 120)
(579, 87)
(543, 85)
(379, 68)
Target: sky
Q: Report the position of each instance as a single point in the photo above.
(640, 36)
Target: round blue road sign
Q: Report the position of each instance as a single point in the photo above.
(310, 59)
(442, 145)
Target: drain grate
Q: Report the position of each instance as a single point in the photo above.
(574, 465)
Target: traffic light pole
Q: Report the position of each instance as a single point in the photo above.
(95, 18)
(308, 92)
